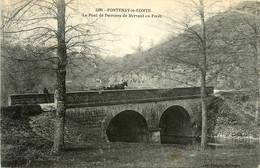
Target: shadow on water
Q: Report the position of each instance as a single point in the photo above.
(234, 142)
(212, 141)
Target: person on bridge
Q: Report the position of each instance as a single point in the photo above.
(46, 93)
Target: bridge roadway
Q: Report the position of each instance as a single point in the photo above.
(170, 115)
(112, 97)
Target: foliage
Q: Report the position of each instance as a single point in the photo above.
(22, 72)
(232, 115)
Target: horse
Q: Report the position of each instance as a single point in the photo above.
(116, 87)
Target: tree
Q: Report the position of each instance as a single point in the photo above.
(139, 48)
(199, 46)
(35, 21)
(21, 75)
(61, 78)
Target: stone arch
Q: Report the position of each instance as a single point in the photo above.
(175, 126)
(127, 126)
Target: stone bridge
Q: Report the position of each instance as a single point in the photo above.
(150, 115)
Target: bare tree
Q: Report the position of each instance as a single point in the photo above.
(203, 76)
(48, 23)
(139, 48)
(198, 46)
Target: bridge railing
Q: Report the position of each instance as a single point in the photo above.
(109, 97)
(33, 98)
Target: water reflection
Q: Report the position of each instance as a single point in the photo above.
(212, 141)
(235, 142)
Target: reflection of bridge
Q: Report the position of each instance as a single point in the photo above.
(131, 115)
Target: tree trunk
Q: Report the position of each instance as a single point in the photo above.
(257, 71)
(204, 110)
(58, 144)
(203, 79)
(257, 62)
(61, 79)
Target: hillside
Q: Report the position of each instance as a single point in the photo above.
(231, 61)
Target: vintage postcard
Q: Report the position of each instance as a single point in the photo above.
(110, 83)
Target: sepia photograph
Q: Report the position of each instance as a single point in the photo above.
(111, 83)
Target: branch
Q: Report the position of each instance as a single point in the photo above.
(19, 10)
(35, 28)
(48, 8)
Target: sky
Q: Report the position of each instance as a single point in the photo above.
(127, 31)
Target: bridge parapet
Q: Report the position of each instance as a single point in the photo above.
(112, 97)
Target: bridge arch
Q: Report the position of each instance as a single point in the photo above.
(175, 125)
(127, 126)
